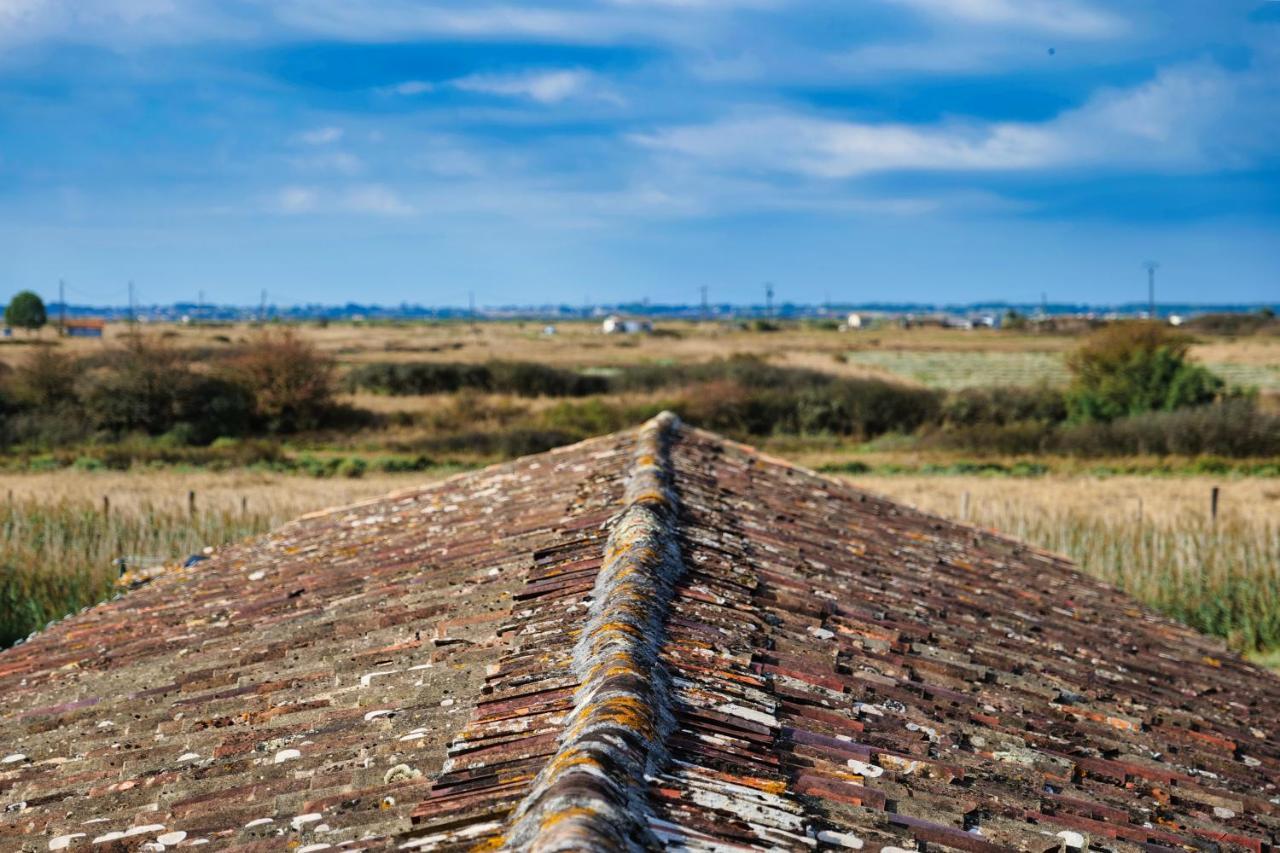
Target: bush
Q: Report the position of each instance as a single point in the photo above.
(505, 444)
(353, 467)
(1133, 367)
(138, 391)
(1011, 439)
(860, 408)
(1233, 428)
(1235, 323)
(521, 378)
(1001, 406)
(44, 379)
(290, 381)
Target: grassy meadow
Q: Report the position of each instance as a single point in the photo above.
(966, 424)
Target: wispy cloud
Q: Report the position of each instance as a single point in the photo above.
(364, 199)
(543, 86)
(1185, 119)
(320, 135)
(1064, 17)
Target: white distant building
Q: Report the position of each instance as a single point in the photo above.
(615, 325)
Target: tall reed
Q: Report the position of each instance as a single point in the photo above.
(56, 558)
(1220, 577)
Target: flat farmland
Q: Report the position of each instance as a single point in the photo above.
(420, 401)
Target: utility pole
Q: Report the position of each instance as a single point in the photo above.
(262, 308)
(471, 311)
(199, 304)
(1151, 267)
(768, 299)
(62, 308)
(706, 314)
(133, 315)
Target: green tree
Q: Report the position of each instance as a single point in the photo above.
(26, 311)
(1132, 367)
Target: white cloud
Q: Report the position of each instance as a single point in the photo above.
(320, 135)
(934, 57)
(1185, 119)
(365, 199)
(375, 199)
(545, 87)
(332, 162)
(1063, 17)
(296, 199)
(413, 87)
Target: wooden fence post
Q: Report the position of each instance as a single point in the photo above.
(1213, 505)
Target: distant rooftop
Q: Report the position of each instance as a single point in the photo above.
(658, 638)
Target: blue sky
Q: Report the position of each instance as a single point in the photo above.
(534, 152)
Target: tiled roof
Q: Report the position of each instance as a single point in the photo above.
(659, 638)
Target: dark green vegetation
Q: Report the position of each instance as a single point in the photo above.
(1135, 393)
(278, 385)
(25, 311)
(1131, 368)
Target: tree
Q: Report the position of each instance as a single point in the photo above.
(291, 382)
(1128, 368)
(26, 311)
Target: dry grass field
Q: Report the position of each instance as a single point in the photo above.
(580, 344)
(1148, 534)
(1151, 536)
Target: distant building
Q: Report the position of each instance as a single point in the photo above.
(854, 321)
(84, 327)
(615, 325)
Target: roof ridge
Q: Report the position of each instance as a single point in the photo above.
(592, 793)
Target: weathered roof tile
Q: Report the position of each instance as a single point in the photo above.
(661, 628)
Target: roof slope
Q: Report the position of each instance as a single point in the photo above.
(654, 638)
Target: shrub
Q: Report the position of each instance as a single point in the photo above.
(1235, 323)
(861, 408)
(1132, 367)
(352, 467)
(138, 391)
(1234, 428)
(290, 381)
(46, 378)
(1000, 406)
(1022, 437)
(521, 378)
